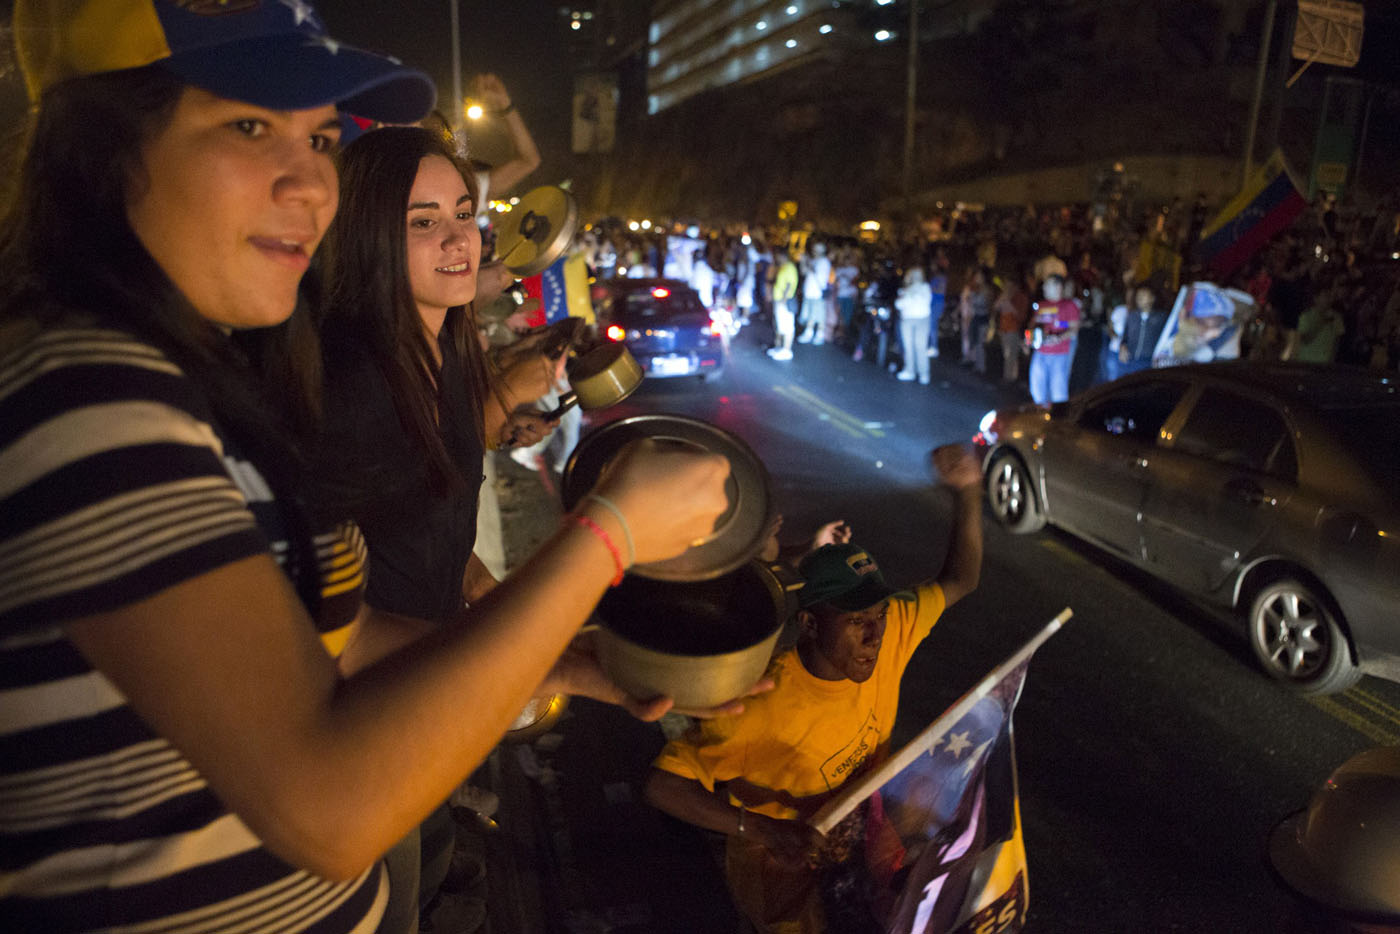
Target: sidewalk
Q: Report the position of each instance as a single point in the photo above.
(576, 850)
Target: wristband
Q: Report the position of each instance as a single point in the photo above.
(597, 530)
(611, 507)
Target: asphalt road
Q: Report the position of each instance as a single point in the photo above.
(1154, 758)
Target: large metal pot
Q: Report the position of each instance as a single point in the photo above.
(701, 642)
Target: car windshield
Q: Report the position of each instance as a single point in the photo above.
(649, 305)
(1372, 434)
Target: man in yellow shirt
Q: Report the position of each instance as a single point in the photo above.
(759, 775)
(784, 307)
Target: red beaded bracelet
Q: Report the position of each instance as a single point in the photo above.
(597, 530)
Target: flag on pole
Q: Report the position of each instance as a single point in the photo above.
(930, 842)
(1269, 202)
(562, 290)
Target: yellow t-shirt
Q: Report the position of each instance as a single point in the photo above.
(794, 745)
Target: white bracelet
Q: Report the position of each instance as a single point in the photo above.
(611, 507)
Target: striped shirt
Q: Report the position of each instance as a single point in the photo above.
(114, 485)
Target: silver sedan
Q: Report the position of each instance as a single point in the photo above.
(1273, 489)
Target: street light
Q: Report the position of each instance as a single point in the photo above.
(475, 112)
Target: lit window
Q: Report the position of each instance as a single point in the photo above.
(575, 25)
(792, 9)
(791, 43)
(884, 35)
(761, 25)
(825, 28)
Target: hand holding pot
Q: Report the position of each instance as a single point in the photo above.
(526, 374)
(669, 497)
(526, 426)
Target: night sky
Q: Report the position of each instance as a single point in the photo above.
(522, 41)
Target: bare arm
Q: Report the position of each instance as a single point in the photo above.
(962, 569)
(244, 689)
(491, 92)
(687, 800)
(477, 581)
(524, 378)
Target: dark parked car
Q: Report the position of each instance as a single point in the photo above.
(665, 326)
(1270, 488)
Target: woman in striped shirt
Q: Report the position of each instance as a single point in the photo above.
(178, 751)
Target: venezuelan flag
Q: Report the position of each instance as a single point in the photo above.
(1269, 202)
(562, 290)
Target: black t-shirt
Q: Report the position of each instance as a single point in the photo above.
(368, 469)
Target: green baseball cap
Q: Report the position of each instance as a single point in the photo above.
(842, 576)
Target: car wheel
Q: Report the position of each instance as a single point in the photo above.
(1297, 639)
(1010, 493)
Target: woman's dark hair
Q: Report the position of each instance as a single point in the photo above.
(367, 296)
(70, 255)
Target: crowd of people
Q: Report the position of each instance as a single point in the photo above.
(1064, 296)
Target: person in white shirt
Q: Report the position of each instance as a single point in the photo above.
(702, 279)
(816, 277)
(914, 311)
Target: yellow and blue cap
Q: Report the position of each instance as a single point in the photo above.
(272, 53)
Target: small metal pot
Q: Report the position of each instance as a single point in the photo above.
(700, 642)
(598, 378)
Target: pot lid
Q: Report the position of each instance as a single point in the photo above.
(537, 231)
(739, 532)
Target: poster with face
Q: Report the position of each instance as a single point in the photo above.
(930, 842)
(1204, 325)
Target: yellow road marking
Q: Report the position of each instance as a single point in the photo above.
(835, 423)
(841, 415)
(1367, 699)
(1055, 548)
(1354, 720)
(828, 413)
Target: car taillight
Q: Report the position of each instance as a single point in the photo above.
(716, 329)
(615, 333)
(659, 292)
